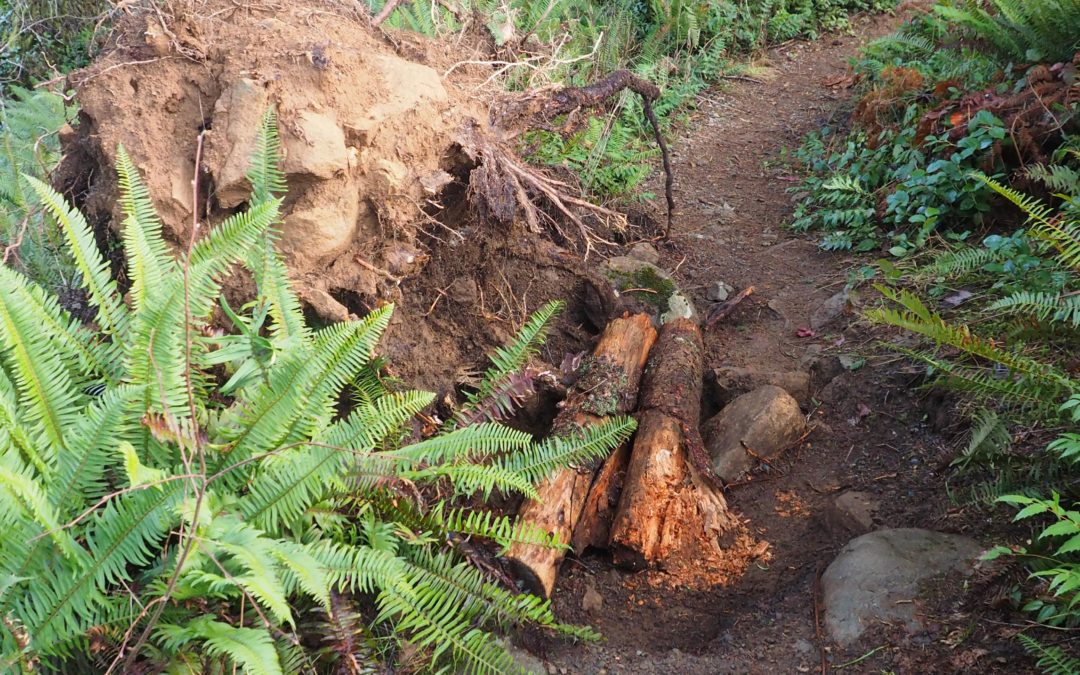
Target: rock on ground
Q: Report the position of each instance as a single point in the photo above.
(726, 383)
(761, 423)
(850, 513)
(875, 578)
(653, 288)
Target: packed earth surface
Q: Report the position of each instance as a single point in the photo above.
(372, 129)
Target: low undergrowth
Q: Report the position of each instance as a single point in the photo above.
(175, 498)
(961, 164)
(681, 46)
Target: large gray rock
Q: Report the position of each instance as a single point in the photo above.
(761, 423)
(875, 578)
(727, 383)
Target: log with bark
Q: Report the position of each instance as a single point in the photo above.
(671, 504)
(608, 386)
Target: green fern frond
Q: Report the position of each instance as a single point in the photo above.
(512, 357)
(960, 262)
(47, 389)
(1052, 660)
(147, 255)
(537, 462)
(1045, 307)
(92, 266)
(252, 649)
(1061, 233)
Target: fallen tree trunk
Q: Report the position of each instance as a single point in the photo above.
(608, 386)
(671, 504)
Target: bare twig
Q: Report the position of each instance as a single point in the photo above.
(721, 312)
(386, 11)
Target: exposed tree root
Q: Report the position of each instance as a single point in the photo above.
(502, 184)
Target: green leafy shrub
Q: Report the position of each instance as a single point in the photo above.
(863, 194)
(1023, 377)
(167, 504)
(1019, 30)
(39, 38)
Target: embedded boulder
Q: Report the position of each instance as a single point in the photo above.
(875, 578)
(759, 424)
(726, 383)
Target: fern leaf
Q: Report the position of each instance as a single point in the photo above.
(48, 395)
(93, 268)
(1051, 660)
(250, 648)
(147, 256)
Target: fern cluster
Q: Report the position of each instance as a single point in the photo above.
(1020, 30)
(152, 517)
(1022, 379)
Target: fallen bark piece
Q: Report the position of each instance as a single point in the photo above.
(594, 527)
(607, 386)
(671, 505)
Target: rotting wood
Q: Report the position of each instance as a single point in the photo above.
(671, 503)
(608, 386)
(594, 526)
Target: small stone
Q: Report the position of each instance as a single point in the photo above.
(875, 578)
(324, 305)
(803, 646)
(726, 383)
(851, 513)
(592, 601)
(645, 253)
(523, 661)
(763, 422)
(832, 309)
(679, 307)
(464, 290)
(719, 291)
(318, 149)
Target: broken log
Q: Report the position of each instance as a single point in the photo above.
(594, 526)
(670, 504)
(608, 386)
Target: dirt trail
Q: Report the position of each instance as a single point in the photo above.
(732, 207)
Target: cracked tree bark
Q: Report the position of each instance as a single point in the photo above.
(670, 502)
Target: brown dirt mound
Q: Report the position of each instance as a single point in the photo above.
(370, 137)
(377, 145)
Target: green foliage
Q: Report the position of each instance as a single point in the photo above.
(40, 38)
(29, 145)
(182, 502)
(680, 45)
(927, 46)
(1019, 30)
(863, 194)
(1052, 660)
(1019, 378)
